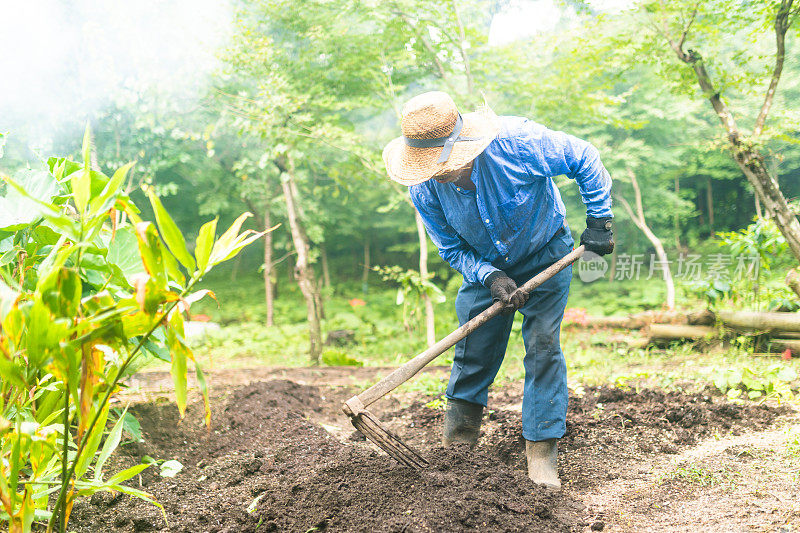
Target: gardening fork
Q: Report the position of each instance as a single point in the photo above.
(371, 428)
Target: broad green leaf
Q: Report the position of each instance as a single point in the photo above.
(170, 468)
(123, 251)
(151, 253)
(170, 232)
(238, 245)
(201, 383)
(173, 270)
(126, 474)
(142, 495)
(111, 443)
(205, 242)
(24, 199)
(199, 295)
(8, 299)
(92, 443)
(180, 353)
(226, 240)
(81, 183)
(132, 427)
(105, 199)
(61, 291)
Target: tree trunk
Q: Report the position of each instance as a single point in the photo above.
(793, 280)
(710, 207)
(639, 219)
(462, 38)
(365, 271)
(793, 345)
(319, 301)
(751, 162)
(268, 294)
(303, 272)
(669, 332)
(612, 273)
(765, 322)
(675, 219)
(326, 273)
(235, 269)
(430, 324)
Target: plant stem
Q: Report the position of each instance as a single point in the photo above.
(65, 460)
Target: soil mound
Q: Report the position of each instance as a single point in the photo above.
(265, 467)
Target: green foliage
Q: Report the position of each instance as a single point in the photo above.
(339, 358)
(88, 292)
(411, 291)
(775, 382)
(712, 292)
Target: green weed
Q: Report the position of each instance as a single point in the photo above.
(793, 441)
(698, 475)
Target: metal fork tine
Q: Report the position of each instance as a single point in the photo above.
(369, 426)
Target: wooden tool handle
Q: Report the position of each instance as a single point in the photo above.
(410, 368)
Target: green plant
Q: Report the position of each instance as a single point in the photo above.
(793, 441)
(774, 382)
(88, 293)
(760, 240)
(697, 474)
(339, 358)
(712, 292)
(411, 290)
(437, 404)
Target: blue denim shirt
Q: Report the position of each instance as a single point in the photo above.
(517, 207)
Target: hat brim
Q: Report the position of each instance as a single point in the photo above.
(410, 166)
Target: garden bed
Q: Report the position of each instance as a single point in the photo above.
(280, 457)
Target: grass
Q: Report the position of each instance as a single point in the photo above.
(696, 474)
(793, 441)
(381, 339)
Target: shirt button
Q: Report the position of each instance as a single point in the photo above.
(487, 220)
(497, 243)
(458, 188)
(506, 258)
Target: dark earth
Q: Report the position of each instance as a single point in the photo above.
(280, 457)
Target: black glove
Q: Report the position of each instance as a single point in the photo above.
(598, 237)
(504, 290)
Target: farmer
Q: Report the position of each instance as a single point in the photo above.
(484, 187)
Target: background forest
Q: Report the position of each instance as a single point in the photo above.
(284, 107)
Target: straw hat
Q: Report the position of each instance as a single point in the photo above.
(436, 138)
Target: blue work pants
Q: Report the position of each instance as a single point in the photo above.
(478, 357)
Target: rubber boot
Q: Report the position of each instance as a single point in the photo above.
(543, 462)
(462, 422)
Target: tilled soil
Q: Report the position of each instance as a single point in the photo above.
(267, 465)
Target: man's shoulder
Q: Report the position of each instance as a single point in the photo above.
(514, 133)
(514, 127)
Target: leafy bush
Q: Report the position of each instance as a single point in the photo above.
(412, 287)
(88, 292)
(339, 358)
(775, 382)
